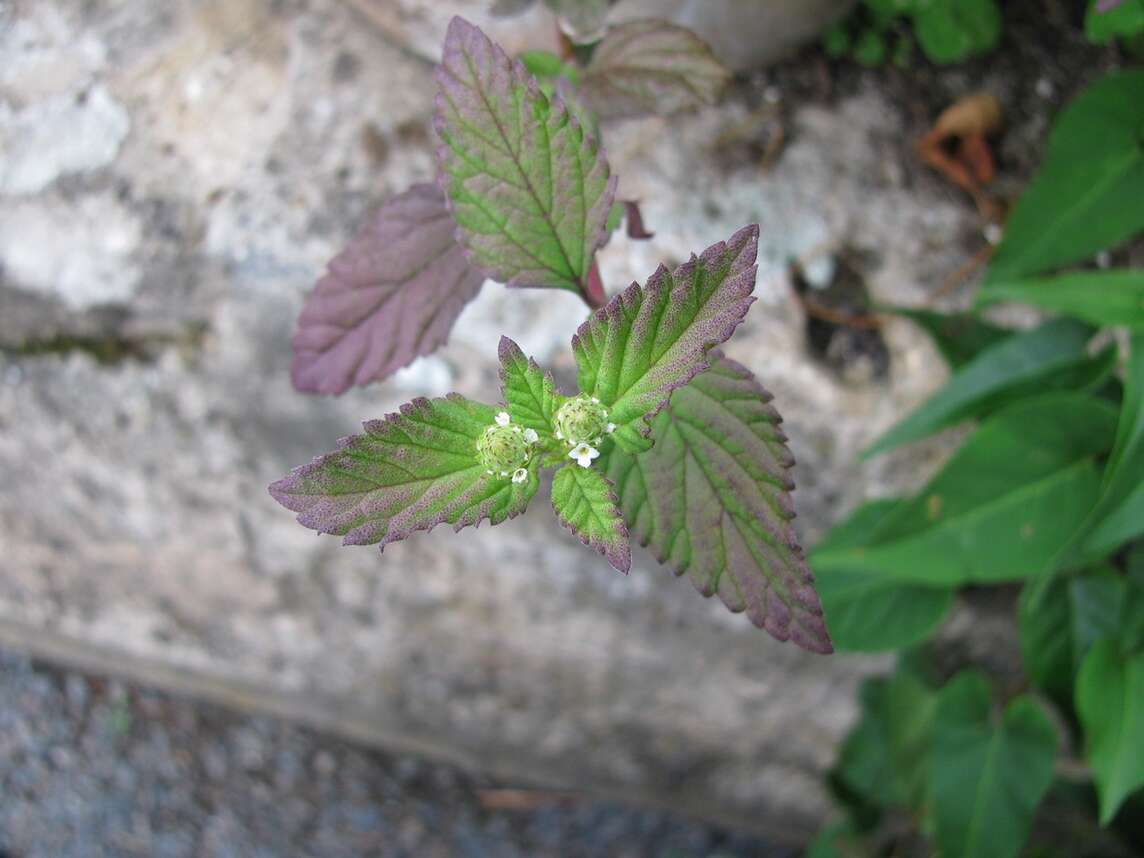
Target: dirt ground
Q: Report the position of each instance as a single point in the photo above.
(92, 768)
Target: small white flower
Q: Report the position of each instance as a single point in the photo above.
(610, 428)
(583, 454)
(595, 401)
(503, 419)
(559, 435)
(530, 436)
(504, 473)
(519, 475)
(489, 472)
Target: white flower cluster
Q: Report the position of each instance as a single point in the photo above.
(581, 423)
(506, 449)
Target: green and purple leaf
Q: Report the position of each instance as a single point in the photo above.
(529, 189)
(648, 341)
(585, 502)
(711, 499)
(393, 294)
(410, 471)
(529, 392)
(651, 67)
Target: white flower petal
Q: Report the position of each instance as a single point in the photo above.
(610, 428)
(530, 436)
(503, 419)
(519, 475)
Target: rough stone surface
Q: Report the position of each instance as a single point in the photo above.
(136, 529)
(744, 34)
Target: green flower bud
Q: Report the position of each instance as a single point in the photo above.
(582, 420)
(503, 449)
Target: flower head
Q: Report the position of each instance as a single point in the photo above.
(581, 420)
(584, 454)
(505, 449)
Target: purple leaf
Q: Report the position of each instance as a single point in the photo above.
(529, 189)
(651, 67)
(712, 499)
(393, 294)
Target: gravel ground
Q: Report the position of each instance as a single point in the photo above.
(92, 767)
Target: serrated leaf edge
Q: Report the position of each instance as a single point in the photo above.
(280, 489)
(622, 559)
(636, 293)
(557, 105)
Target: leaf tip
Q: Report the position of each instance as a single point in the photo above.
(282, 490)
(508, 350)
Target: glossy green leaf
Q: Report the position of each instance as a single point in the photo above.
(950, 31)
(1086, 196)
(529, 189)
(1119, 20)
(585, 502)
(839, 839)
(1003, 506)
(868, 611)
(1110, 702)
(1099, 297)
(651, 67)
(1119, 515)
(410, 471)
(987, 777)
(1097, 602)
(1123, 523)
(1049, 357)
(529, 392)
(1044, 628)
(870, 48)
(1058, 629)
(648, 341)
(959, 337)
(711, 499)
(885, 757)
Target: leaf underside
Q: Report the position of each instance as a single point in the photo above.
(529, 189)
(393, 294)
(711, 499)
(651, 67)
(585, 503)
(648, 341)
(410, 471)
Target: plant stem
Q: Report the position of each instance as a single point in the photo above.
(593, 292)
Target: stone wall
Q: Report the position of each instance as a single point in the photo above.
(174, 177)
